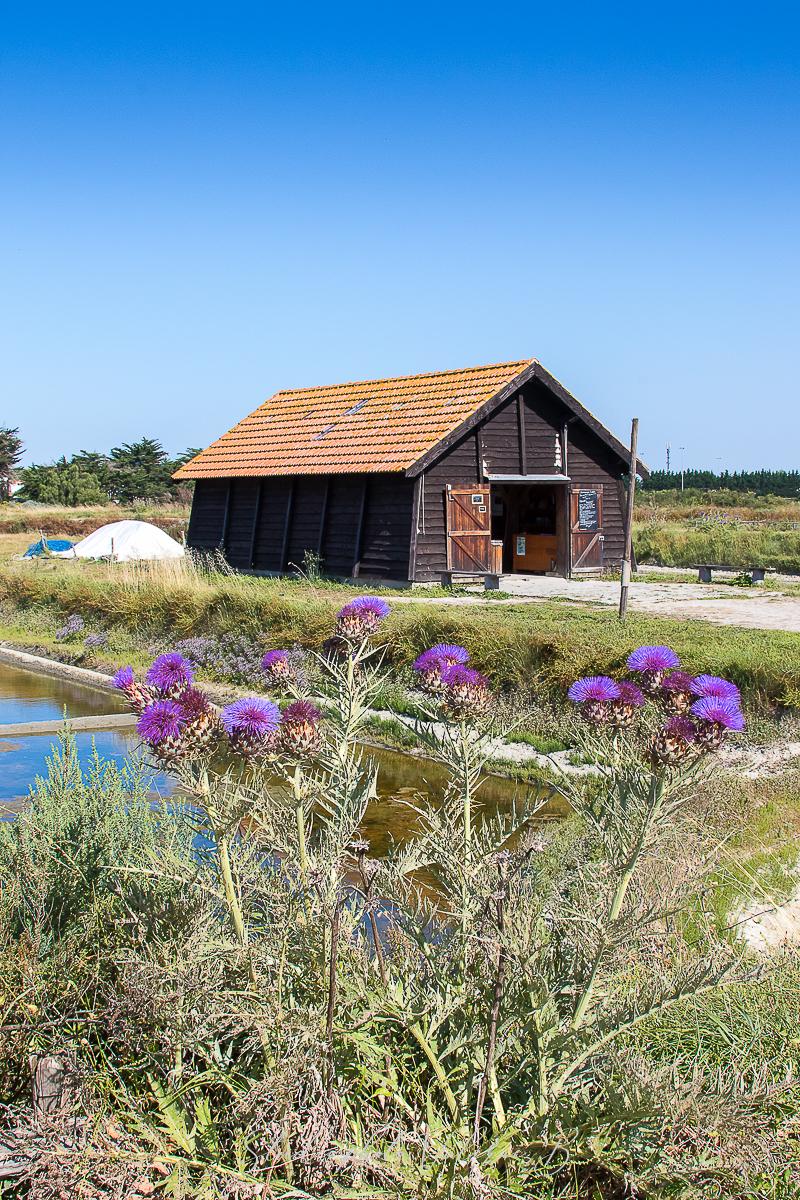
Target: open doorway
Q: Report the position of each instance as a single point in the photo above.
(530, 520)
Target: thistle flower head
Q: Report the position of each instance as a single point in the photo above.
(655, 659)
(361, 617)
(250, 718)
(677, 681)
(466, 694)
(599, 689)
(720, 711)
(630, 696)
(299, 732)
(682, 729)
(675, 743)
(193, 704)
(712, 685)
(449, 654)
(275, 663)
(123, 679)
(161, 722)
(170, 673)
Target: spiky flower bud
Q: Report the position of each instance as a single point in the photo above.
(361, 617)
(299, 728)
(466, 695)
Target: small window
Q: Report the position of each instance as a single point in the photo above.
(477, 498)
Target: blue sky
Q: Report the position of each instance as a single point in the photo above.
(201, 204)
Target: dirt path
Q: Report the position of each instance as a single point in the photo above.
(747, 609)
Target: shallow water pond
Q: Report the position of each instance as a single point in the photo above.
(403, 780)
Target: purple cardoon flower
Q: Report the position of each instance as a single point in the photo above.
(717, 716)
(653, 658)
(170, 673)
(123, 679)
(299, 733)
(161, 725)
(361, 617)
(712, 685)
(717, 710)
(676, 691)
(202, 721)
(652, 663)
(598, 688)
(250, 724)
(275, 663)
(466, 694)
(623, 710)
(449, 654)
(431, 663)
(137, 695)
(675, 743)
(598, 696)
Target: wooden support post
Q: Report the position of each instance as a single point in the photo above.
(226, 515)
(523, 449)
(360, 529)
(323, 516)
(626, 561)
(251, 556)
(419, 484)
(479, 454)
(287, 524)
(567, 500)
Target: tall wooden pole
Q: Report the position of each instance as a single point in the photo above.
(626, 561)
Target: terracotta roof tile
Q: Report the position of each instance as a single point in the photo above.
(375, 425)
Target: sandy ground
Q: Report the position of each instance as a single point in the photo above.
(748, 609)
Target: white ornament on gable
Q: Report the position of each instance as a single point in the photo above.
(557, 462)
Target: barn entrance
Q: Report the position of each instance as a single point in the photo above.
(530, 520)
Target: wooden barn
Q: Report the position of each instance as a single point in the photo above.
(485, 471)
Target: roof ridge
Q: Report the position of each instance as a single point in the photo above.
(330, 387)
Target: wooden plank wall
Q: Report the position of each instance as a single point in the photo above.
(496, 445)
(272, 522)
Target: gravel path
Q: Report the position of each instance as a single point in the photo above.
(748, 609)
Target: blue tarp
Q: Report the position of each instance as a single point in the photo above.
(50, 543)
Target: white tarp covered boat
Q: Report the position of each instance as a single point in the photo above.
(126, 541)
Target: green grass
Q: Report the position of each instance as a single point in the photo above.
(673, 544)
(526, 649)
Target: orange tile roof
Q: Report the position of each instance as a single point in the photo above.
(376, 425)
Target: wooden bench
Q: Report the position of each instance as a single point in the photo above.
(757, 574)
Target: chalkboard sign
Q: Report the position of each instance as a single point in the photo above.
(588, 511)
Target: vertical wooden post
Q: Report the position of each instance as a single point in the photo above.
(567, 500)
(287, 524)
(626, 561)
(323, 516)
(251, 556)
(226, 514)
(360, 529)
(419, 484)
(523, 448)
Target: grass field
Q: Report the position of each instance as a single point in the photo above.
(734, 529)
(524, 648)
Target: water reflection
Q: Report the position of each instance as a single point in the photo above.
(403, 780)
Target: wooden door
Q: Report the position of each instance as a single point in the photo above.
(469, 529)
(586, 525)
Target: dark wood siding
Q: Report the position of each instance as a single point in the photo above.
(496, 447)
(386, 535)
(206, 524)
(241, 514)
(268, 546)
(307, 506)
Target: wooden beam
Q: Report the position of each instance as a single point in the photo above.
(287, 522)
(360, 529)
(256, 517)
(523, 449)
(479, 453)
(419, 484)
(323, 516)
(226, 514)
(568, 500)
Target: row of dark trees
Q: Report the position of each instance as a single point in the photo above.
(133, 471)
(763, 483)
